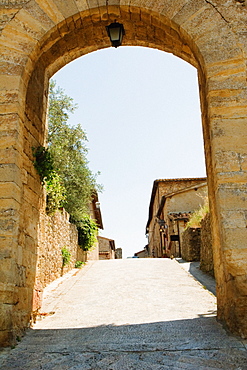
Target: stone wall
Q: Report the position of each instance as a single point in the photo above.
(206, 264)
(190, 248)
(54, 233)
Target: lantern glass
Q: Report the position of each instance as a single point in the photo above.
(115, 32)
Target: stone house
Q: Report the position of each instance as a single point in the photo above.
(106, 248)
(172, 202)
(141, 254)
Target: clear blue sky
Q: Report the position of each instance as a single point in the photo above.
(140, 109)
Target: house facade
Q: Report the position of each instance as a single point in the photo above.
(106, 248)
(172, 202)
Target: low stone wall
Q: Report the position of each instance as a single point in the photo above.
(191, 241)
(207, 264)
(91, 255)
(55, 232)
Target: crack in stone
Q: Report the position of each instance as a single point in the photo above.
(103, 352)
(217, 10)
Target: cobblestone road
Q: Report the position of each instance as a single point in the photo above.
(128, 314)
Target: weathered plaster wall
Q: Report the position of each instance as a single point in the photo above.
(187, 201)
(37, 38)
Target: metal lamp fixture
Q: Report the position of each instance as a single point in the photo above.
(115, 32)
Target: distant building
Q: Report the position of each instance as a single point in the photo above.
(172, 202)
(142, 254)
(106, 248)
(118, 253)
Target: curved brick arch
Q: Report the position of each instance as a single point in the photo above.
(41, 36)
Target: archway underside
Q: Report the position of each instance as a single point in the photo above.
(198, 35)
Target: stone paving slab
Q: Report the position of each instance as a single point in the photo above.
(128, 314)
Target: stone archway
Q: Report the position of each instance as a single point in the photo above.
(40, 37)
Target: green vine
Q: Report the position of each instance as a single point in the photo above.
(43, 163)
(50, 179)
(87, 231)
(55, 194)
(65, 256)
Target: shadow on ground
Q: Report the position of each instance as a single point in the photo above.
(194, 269)
(199, 343)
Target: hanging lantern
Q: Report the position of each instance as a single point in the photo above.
(115, 32)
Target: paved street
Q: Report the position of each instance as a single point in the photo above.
(128, 314)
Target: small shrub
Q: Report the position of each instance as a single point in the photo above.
(198, 216)
(79, 264)
(65, 256)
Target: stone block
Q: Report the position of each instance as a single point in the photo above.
(234, 219)
(236, 262)
(228, 161)
(10, 190)
(226, 68)
(9, 82)
(25, 22)
(66, 8)
(50, 8)
(31, 196)
(171, 8)
(10, 173)
(10, 122)
(39, 15)
(5, 317)
(228, 81)
(232, 196)
(188, 11)
(235, 238)
(23, 303)
(9, 209)
(10, 155)
(7, 272)
(81, 5)
(237, 111)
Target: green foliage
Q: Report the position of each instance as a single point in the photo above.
(55, 194)
(43, 163)
(198, 215)
(79, 264)
(63, 168)
(55, 191)
(87, 231)
(65, 256)
(68, 150)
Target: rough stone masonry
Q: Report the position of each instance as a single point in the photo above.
(37, 38)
